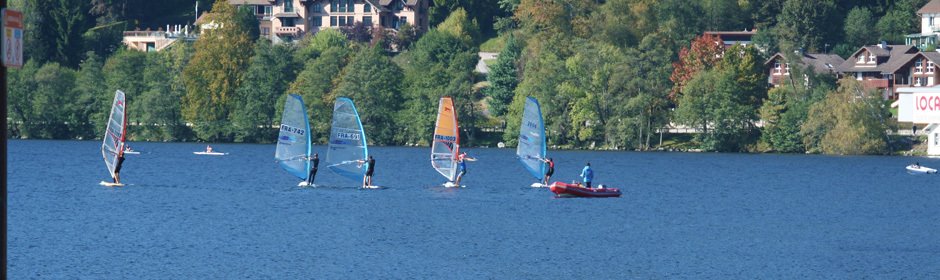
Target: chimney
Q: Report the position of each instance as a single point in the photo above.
(883, 45)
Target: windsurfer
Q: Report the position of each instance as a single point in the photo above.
(370, 168)
(208, 149)
(550, 171)
(314, 164)
(117, 168)
(462, 166)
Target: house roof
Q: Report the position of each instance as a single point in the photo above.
(897, 56)
(821, 63)
(407, 2)
(250, 2)
(932, 7)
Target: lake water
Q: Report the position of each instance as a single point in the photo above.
(682, 215)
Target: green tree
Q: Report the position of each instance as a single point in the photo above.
(214, 74)
(89, 107)
(312, 46)
(851, 120)
(461, 26)
(22, 88)
(160, 103)
(373, 81)
(254, 116)
(315, 84)
(54, 30)
(503, 77)
(51, 102)
(894, 25)
(859, 24)
(710, 104)
(806, 24)
(123, 71)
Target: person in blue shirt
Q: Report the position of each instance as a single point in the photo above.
(588, 175)
(462, 166)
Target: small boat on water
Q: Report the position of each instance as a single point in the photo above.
(563, 189)
(210, 152)
(918, 169)
(128, 151)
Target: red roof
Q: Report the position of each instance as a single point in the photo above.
(932, 7)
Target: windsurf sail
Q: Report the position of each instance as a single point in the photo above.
(446, 142)
(347, 141)
(293, 140)
(531, 149)
(114, 136)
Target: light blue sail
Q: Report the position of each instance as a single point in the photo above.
(347, 145)
(293, 141)
(531, 149)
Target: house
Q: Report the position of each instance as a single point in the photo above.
(888, 67)
(730, 38)
(288, 20)
(778, 68)
(929, 26)
(154, 41)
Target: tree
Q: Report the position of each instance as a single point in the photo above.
(461, 26)
(160, 103)
(703, 54)
(503, 77)
(50, 102)
(246, 17)
(312, 46)
(807, 24)
(54, 30)
(123, 71)
(214, 74)
(315, 84)
(851, 120)
(91, 109)
(894, 25)
(254, 115)
(859, 24)
(710, 104)
(374, 83)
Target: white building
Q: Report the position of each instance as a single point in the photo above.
(929, 26)
(921, 106)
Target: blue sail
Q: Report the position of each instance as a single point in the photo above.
(347, 145)
(531, 148)
(293, 141)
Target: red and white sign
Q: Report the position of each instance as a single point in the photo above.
(12, 38)
(927, 106)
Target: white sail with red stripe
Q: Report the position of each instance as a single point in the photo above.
(114, 136)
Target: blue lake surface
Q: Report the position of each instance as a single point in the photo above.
(682, 215)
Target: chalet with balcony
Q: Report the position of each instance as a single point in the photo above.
(889, 67)
(287, 20)
(779, 68)
(929, 26)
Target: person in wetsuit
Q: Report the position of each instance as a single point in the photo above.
(550, 171)
(117, 168)
(587, 174)
(462, 166)
(370, 168)
(314, 163)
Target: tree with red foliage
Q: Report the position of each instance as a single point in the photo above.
(704, 53)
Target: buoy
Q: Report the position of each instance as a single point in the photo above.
(501, 145)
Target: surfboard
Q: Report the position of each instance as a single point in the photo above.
(446, 142)
(373, 187)
(532, 148)
(305, 184)
(293, 141)
(347, 146)
(210, 153)
(110, 184)
(453, 185)
(112, 144)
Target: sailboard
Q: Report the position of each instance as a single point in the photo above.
(293, 140)
(112, 145)
(446, 143)
(531, 149)
(347, 144)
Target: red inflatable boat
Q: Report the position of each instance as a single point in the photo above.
(565, 189)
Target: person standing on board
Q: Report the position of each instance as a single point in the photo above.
(208, 149)
(314, 163)
(117, 168)
(370, 168)
(587, 174)
(551, 170)
(462, 166)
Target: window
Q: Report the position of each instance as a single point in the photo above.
(333, 21)
(367, 8)
(259, 10)
(399, 5)
(918, 66)
(930, 66)
(871, 58)
(861, 58)
(288, 6)
(931, 21)
(350, 20)
(265, 31)
(787, 65)
(316, 21)
(395, 22)
(403, 20)
(920, 81)
(351, 6)
(287, 22)
(268, 10)
(334, 6)
(342, 6)
(342, 21)
(317, 8)
(367, 20)
(777, 68)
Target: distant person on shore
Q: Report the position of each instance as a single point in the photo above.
(314, 165)
(462, 166)
(117, 168)
(550, 171)
(587, 174)
(370, 168)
